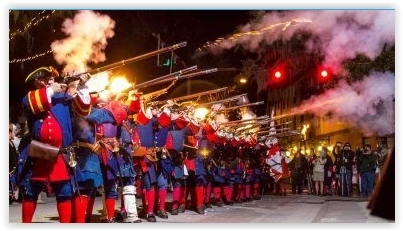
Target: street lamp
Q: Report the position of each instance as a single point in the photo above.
(243, 80)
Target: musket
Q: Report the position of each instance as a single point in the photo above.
(166, 78)
(68, 79)
(265, 117)
(264, 131)
(282, 134)
(233, 98)
(195, 95)
(239, 106)
(262, 123)
(240, 128)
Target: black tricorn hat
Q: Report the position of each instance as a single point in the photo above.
(42, 72)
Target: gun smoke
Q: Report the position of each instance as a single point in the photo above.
(87, 38)
(338, 35)
(368, 105)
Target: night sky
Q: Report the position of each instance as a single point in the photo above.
(134, 31)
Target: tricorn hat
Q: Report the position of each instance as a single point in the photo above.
(42, 72)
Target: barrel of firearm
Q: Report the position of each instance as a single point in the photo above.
(230, 99)
(68, 79)
(165, 78)
(240, 106)
(175, 76)
(195, 95)
(265, 117)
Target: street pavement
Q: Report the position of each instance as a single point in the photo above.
(269, 209)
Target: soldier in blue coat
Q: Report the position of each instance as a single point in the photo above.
(49, 108)
(116, 166)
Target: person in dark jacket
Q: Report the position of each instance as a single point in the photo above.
(327, 183)
(298, 167)
(12, 163)
(366, 166)
(344, 169)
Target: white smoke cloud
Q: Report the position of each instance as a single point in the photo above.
(87, 38)
(339, 35)
(368, 105)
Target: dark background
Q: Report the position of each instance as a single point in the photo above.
(135, 34)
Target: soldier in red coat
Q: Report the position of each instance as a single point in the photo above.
(49, 108)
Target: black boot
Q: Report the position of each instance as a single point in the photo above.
(200, 210)
(174, 212)
(162, 214)
(150, 217)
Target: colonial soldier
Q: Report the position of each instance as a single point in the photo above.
(87, 171)
(152, 133)
(107, 120)
(239, 173)
(128, 173)
(49, 108)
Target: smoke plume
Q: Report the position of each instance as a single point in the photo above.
(87, 38)
(338, 35)
(369, 104)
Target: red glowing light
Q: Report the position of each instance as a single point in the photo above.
(277, 74)
(324, 73)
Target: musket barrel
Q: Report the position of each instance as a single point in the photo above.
(202, 72)
(282, 134)
(165, 78)
(131, 60)
(190, 75)
(265, 117)
(233, 98)
(138, 58)
(263, 131)
(187, 97)
(239, 106)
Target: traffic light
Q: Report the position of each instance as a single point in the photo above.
(323, 73)
(278, 73)
(167, 63)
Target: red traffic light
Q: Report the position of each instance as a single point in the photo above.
(277, 74)
(323, 73)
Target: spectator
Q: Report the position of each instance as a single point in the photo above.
(328, 167)
(298, 167)
(12, 163)
(319, 171)
(367, 165)
(345, 166)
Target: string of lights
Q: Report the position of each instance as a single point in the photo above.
(34, 21)
(30, 58)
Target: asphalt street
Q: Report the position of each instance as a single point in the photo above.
(269, 209)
